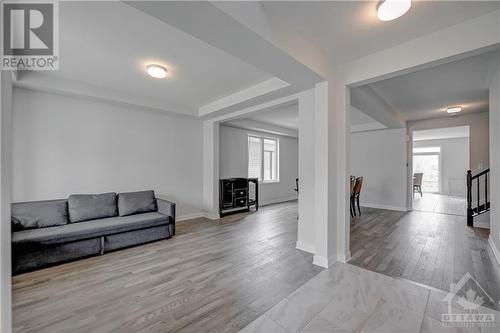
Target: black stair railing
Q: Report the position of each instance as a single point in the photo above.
(477, 207)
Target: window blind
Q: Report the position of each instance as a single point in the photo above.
(254, 157)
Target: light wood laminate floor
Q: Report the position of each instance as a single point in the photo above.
(428, 248)
(213, 276)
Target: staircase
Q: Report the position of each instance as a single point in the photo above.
(477, 186)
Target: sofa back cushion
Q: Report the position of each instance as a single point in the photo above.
(39, 214)
(136, 202)
(84, 207)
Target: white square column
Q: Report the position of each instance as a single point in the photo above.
(211, 169)
(306, 206)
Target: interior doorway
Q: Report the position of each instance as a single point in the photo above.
(440, 164)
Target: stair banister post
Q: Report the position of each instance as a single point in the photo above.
(469, 199)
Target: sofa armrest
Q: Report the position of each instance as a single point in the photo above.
(166, 207)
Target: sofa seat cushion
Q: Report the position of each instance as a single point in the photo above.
(89, 229)
(39, 214)
(86, 207)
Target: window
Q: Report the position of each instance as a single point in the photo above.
(263, 159)
(426, 160)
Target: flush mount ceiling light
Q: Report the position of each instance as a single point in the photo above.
(157, 71)
(454, 109)
(388, 10)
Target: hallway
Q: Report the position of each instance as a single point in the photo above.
(428, 248)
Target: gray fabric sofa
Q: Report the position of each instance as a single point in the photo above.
(54, 231)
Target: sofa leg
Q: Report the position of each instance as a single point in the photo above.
(102, 245)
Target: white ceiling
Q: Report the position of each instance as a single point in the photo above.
(348, 30)
(108, 44)
(427, 93)
(287, 116)
(441, 133)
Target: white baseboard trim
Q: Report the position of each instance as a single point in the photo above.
(494, 249)
(397, 208)
(307, 247)
(197, 215)
(189, 216)
(216, 216)
(212, 216)
(276, 201)
(323, 262)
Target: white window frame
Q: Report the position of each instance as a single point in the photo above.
(262, 138)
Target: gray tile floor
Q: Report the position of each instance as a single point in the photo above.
(346, 298)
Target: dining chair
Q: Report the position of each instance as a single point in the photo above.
(355, 195)
(417, 183)
(351, 191)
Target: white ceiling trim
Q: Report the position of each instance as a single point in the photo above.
(257, 90)
(253, 15)
(441, 133)
(267, 106)
(258, 126)
(367, 127)
(373, 105)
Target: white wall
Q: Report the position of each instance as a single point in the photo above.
(64, 145)
(495, 162)
(380, 158)
(454, 163)
(5, 197)
(233, 155)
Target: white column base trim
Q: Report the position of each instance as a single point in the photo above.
(307, 247)
(324, 262)
(494, 249)
(370, 205)
(344, 257)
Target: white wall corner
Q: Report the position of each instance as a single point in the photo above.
(307, 247)
(494, 249)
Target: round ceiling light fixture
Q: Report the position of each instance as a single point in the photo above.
(454, 109)
(388, 10)
(157, 71)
